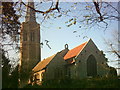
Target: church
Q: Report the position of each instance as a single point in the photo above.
(83, 61)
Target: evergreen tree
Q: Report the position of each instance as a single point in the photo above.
(5, 71)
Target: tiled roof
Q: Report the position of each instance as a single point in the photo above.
(42, 64)
(74, 52)
(70, 53)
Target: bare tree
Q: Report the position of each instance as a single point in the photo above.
(113, 45)
(92, 13)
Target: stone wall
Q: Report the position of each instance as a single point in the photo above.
(30, 49)
(79, 70)
(56, 68)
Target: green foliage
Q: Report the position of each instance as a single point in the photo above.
(112, 72)
(14, 78)
(5, 71)
(8, 80)
(112, 82)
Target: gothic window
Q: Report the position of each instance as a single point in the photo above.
(32, 36)
(91, 66)
(25, 36)
(58, 73)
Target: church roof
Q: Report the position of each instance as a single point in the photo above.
(75, 51)
(66, 54)
(42, 64)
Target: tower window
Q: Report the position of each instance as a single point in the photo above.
(25, 36)
(32, 36)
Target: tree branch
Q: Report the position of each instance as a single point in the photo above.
(113, 7)
(44, 12)
(96, 4)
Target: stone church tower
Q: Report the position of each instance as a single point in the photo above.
(30, 44)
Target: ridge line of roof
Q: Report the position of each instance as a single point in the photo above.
(82, 48)
(43, 61)
(78, 46)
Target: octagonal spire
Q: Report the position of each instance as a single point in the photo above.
(30, 14)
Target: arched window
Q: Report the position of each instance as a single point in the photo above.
(32, 36)
(58, 73)
(91, 66)
(25, 36)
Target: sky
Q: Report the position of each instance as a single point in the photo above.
(58, 37)
(55, 30)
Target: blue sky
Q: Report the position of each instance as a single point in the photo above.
(58, 37)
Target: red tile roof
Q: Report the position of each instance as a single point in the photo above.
(74, 52)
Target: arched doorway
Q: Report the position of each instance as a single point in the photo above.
(91, 66)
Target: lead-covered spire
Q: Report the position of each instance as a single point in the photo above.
(30, 14)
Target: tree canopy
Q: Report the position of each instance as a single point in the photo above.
(96, 13)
